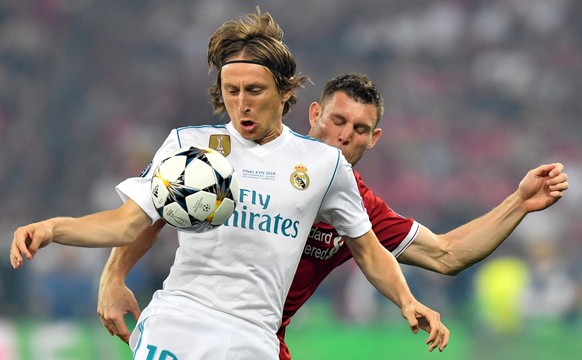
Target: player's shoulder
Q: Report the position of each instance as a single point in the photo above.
(358, 177)
(196, 129)
(368, 195)
(185, 134)
(361, 184)
(312, 144)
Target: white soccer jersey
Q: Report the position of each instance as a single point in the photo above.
(239, 273)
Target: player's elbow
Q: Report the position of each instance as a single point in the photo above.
(456, 264)
(130, 223)
(449, 260)
(124, 233)
(124, 240)
(131, 232)
(451, 270)
(450, 265)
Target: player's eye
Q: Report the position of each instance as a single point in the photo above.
(362, 130)
(230, 90)
(254, 91)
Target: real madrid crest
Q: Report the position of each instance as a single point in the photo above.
(299, 178)
(220, 143)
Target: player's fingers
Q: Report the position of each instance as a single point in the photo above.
(19, 244)
(110, 321)
(558, 191)
(433, 344)
(544, 170)
(109, 330)
(557, 179)
(434, 337)
(32, 245)
(134, 311)
(412, 321)
(559, 187)
(436, 330)
(106, 325)
(119, 328)
(442, 339)
(17, 250)
(124, 338)
(115, 324)
(445, 340)
(436, 343)
(123, 332)
(15, 259)
(557, 168)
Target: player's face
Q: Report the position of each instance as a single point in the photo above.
(345, 123)
(253, 101)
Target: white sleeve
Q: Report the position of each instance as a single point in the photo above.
(138, 189)
(342, 207)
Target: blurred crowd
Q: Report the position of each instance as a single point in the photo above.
(477, 93)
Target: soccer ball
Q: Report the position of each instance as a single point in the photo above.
(195, 189)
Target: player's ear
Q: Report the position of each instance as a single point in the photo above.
(376, 134)
(314, 113)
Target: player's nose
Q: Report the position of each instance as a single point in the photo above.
(243, 103)
(345, 136)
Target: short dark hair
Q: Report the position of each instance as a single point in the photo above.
(357, 86)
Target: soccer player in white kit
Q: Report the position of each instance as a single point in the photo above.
(224, 295)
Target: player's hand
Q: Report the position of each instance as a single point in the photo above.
(543, 186)
(114, 301)
(28, 239)
(421, 317)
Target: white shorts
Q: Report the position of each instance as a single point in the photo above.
(164, 337)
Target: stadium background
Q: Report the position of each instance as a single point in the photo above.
(477, 93)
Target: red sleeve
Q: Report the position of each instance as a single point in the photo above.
(394, 231)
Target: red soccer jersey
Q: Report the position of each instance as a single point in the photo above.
(325, 250)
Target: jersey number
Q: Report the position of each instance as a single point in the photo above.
(164, 355)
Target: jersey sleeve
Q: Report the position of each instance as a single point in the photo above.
(342, 206)
(393, 230)
(138, 188)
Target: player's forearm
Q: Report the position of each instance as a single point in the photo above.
(385, 274)
(104, 229)
(477, 239)
(121, 261)
(382, 271)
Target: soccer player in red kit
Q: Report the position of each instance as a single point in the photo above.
(347, 116)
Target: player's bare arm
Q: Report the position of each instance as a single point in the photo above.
(115, 299)
(383, 271)
(466, 245)
(109, 228)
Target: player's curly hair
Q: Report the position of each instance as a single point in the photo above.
(357, 86)
(260, 40)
